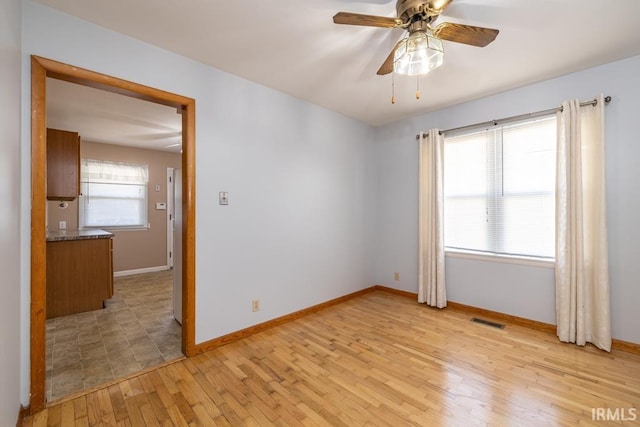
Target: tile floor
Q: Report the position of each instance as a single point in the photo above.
(134, 331)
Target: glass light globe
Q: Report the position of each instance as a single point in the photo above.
(418, 54)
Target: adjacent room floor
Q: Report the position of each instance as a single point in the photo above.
(135, 331)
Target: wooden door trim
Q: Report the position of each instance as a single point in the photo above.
(41, 68)
(38, 233)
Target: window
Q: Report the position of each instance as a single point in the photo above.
(113, 194)
(499, 189)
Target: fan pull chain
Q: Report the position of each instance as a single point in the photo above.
(393, 88)
(418, 87)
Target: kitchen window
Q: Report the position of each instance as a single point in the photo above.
(114, 194)
(499, 190)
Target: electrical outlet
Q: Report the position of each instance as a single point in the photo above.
(255, 305)
(396, 276)
(62, 225)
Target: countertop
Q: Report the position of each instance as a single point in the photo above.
(57, 236)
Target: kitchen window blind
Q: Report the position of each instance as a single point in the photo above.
(113, 194)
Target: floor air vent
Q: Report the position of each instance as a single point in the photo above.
(487, 322)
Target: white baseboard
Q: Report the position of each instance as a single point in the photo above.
(140, 271)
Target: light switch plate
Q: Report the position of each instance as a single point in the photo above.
(223, 198)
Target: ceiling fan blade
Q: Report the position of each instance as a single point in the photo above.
(387, 65)
(467, 34)
(366, 20)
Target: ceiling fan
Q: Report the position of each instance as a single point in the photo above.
(421, 51)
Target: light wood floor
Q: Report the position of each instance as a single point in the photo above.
(380, 359)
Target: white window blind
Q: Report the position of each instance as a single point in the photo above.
(113, 194)
(499, 189)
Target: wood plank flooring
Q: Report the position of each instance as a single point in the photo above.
(379, 359)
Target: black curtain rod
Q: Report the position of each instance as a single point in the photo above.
(542, 113)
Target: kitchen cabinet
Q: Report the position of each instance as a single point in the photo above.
(79, 273)
(63, 165)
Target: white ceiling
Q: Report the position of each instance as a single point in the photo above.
(294, 46)
(101, 116)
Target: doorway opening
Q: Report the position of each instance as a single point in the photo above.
(125, 145)
(174, 234)
(42, 68)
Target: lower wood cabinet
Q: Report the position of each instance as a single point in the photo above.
(79, 275)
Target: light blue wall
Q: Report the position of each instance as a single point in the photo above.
(521, 290)
(10, 12)
(298, 230)
(317, 210)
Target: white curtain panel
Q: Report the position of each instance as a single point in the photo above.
(431, 283)
(582, 276)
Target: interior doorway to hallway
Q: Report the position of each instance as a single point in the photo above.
(42, 68)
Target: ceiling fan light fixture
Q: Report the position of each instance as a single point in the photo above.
(418, 54)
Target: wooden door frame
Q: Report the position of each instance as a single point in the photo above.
(41, 68)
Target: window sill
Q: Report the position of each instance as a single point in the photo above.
(116, 228)
(507, 259)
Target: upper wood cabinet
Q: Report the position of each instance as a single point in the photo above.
(63, 165)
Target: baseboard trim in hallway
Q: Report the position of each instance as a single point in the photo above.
(140, 271)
